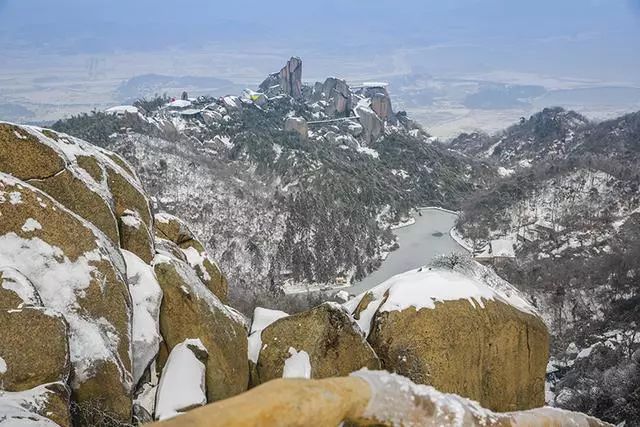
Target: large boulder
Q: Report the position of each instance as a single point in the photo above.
(287, 81)
(333, 342)
(97, 185)
(170, 228)
(372, 125)
(34, 349)
(337, 95)
(190, 310)
(77, 271)
(448, 328)
(298, 125)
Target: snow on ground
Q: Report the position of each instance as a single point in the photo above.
(182, 383)
(146, 296)
(3, 366)
(297, 365)
(262, 317)
(122, 109)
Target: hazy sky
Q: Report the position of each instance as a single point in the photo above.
(591, 39)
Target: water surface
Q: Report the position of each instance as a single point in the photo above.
(419, 243)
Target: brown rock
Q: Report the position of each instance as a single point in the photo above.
(335, 344)
(481, 347)
(297, 124)
(135, 236)
(175, 230)
(34, 348)
(190, 310)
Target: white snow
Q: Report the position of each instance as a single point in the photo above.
(297, 365)
(182, 383)
(424, 287)
(179, 103)
(15, 281)
(196, 259)
(31, 225)
(131, 219)
(146, 296)
(15, 198)
(21, 409)
(262, 317)
(505, 172)
(121, 109)
(3, 366)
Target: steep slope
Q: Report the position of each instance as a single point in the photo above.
(294, 183)
(570, 212)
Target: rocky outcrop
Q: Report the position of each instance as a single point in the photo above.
(175, 230)
(287, 81)
(327, 334)
(336, 96)
(449, 329)
(77, 271)
(298, 125)
(190, 310)
(380, 101)
(371, 123)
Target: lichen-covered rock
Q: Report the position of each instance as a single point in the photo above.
(174, 229)
(449, 329)
(78, 272)
(34, 348)
(16, 291)
(190, 310)
(135, 236)
(327, 333)
(46, 405)
(92, 183)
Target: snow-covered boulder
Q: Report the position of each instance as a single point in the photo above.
(77, 271)
(190, 310)
(94, 184)
(461, 330)
(333, 342)
(171, 228)
(182, 384)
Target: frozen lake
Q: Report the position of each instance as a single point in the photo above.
(419, 243)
